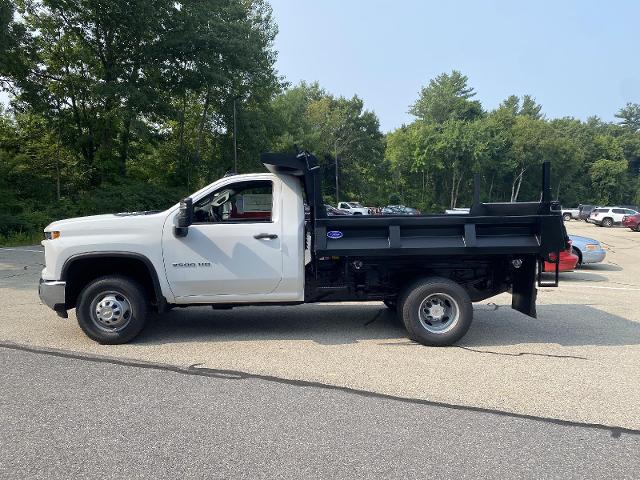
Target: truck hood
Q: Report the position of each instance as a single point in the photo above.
(107, 223)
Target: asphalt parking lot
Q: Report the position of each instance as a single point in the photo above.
(576, 366)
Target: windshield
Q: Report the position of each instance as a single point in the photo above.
(354, 204)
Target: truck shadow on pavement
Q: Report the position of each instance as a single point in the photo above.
(600, 267)
(494, 325)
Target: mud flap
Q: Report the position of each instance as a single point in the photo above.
(524, 292)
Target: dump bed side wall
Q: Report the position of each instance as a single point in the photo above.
(440, 235)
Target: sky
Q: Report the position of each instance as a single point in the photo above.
(577, 58)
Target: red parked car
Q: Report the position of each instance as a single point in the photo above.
(568, 260)
(632, 221)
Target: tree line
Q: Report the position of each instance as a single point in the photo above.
(130, 104)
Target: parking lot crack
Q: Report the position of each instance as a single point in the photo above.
(193, 369)
(375, 317)
(520, 354)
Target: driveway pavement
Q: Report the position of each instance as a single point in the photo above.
(98, 418)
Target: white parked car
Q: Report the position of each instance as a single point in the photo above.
(354, 208)
(458, 211)
(609, 216)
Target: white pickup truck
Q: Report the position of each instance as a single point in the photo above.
(570, 213)
(242, 241)
(354, 208)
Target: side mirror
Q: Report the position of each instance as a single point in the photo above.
(184, 218)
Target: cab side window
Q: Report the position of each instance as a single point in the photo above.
(240, 202)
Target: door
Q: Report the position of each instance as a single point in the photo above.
(618, 213)
(232, 248)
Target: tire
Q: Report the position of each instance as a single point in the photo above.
(578, 253)
(357, 213)
(566, 217)
(637, 228)
(124, 310)
(391, 304)
(607, 222)
(442, 297)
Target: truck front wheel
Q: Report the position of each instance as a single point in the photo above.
(435, 311)
(112, 310)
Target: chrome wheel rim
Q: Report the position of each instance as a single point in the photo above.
(439, 313)
(111, 311)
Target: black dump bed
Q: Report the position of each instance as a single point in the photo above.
(526, 228)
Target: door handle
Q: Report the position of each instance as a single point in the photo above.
(270, 236)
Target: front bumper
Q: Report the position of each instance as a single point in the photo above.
(593, 256)
(52, 294)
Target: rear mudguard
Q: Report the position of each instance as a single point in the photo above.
(524, 291)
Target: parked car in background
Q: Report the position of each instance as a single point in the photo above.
(457, 211)
(609, 216)
(569, 213)
(399, 210)
(588, 250)
(568, 260)
(354, 208)
(333, 211)
(632, 222)
(584, 211)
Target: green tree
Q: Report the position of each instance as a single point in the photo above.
(447, 97)
(606, 177)
(109, 73)
(529, 107)
(629, 116)
(342, 133)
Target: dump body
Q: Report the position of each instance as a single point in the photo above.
(495, 248)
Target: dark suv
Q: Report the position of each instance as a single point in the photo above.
(584, 211)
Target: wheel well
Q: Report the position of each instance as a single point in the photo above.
(579, 253)
(79, 272)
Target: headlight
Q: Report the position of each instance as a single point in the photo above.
(51, 235)
(593, 246)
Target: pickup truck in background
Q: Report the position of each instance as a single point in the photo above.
(354, 208)
(243, 241)
(570, 213)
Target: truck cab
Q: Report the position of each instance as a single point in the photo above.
(244, 240)
(244, 245)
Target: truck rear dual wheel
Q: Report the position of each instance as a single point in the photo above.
(435, 311)
(112, 310)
